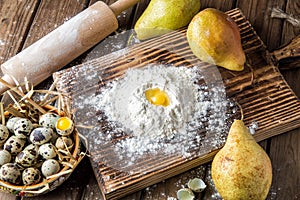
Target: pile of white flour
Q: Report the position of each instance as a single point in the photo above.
(125, 101)
(171, 129)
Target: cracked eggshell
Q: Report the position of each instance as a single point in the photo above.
(50, 167)
(64, 126)
(40, 135)
(31, 176)
(185, 194)
(48, 151)
(5, 157)
(23, 127)
(49, 120)
(196, 185)
(14, 144)
(9, 172)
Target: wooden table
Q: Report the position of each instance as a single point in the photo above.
(23, 22)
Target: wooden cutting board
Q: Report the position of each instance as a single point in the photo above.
(260, 90)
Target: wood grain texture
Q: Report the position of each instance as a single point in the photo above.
(284, 149)
(257, 89)
(56, 13)
(289, 30)
(286, 173)
(223, 5)
(259, 15)
(15, 19)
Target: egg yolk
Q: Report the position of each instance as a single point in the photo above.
(64, 123)
(157, 97)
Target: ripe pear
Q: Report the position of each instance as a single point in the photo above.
(215, 38)
(162, 16)
(241, 169)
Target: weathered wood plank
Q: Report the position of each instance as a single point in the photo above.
(219, 4)
(284, 149)
(15, 19)
(289, 31)
(285, 154)
(50, 15)
(141, 6)
(258, 12)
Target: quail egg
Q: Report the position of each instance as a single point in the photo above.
(26, 158)
(31, 176)
(47, 151)
(48, 120)
(54, 137)
(64, 143)
(5, 157)
(14, 144)
(9, 172)
(4, 133)
(50, 167)
(64, 126)
(40, 135)
(11, 122)
(23, 127)
(32, 147)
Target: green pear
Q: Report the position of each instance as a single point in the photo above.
(215, 38)
(241, 169)
(162, 16)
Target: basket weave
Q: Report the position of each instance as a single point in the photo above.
(51, 183)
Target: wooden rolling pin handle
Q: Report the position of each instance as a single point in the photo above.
(64, 44)
(290, 50)
(119, 6)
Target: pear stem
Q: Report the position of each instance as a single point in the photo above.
(252, 72)
(241, 110)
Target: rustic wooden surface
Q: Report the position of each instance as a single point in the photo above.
(256, 90)
(23, 22)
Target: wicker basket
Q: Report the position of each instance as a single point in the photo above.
(70, 161)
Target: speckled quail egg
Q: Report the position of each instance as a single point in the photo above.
(11, 122)
(54, 137)
(64, 126)
(26, 158)
(40, 135)
(4, 133)
(50, 167)
(14, 144)
(47, 151)
(49, 120)
(9, 172)
(23, 127)
(31, 176)
(32, 147)
(64, 143)
(5, 157)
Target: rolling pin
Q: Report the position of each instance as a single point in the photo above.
(64, 44)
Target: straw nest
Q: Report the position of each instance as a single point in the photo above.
(25, 102)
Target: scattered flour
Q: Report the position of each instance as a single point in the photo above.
(195, 118)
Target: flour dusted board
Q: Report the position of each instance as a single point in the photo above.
(260, 90)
